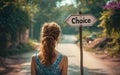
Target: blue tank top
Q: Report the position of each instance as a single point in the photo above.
(53, 69)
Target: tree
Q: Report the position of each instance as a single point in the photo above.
(91, 7)
(13, 21)
(47, 12)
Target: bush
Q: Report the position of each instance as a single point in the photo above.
(16, 49)
(110, 22)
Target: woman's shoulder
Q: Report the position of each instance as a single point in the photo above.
(33, 57)
(64, 58)
(64, 61)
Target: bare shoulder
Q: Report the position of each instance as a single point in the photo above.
(33, 61)
(33, 57)
(64, 65)
(65, 58)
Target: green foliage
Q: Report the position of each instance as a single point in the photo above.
(32, 43)
(85, 34)
(114, 45)
(66, 11)
(114, 50)
(13, 50)
(110, 19)
(110, 22)
(105, 22)
(115, 20)
(92, 7)
(50, 12)
(46, 13)
(13, 21)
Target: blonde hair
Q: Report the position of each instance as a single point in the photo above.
(49, 35)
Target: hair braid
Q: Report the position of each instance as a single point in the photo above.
(49, 35)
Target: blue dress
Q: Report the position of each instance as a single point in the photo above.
(53, 69)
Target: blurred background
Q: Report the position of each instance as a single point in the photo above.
(21, 22)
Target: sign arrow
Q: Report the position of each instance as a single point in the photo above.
(83, 19)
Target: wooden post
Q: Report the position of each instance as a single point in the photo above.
(81, 48)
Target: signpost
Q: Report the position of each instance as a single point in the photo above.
(81, 21)
(84, 20)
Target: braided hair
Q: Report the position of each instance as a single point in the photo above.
(49, 35)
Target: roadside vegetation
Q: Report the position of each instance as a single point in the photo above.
(110, 22)
(15, 22)
(19, 49)
(108, 42)
(107, 39)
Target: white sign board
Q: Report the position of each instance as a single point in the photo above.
(84, 20)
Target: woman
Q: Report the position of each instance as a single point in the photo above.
(49, 61)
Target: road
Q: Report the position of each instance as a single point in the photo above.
(92, 66)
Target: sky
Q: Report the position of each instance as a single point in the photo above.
(66, 2)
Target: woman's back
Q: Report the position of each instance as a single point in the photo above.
(53, 69)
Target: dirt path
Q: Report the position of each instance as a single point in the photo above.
(94, 64)
(112, 63)
(17, 65)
